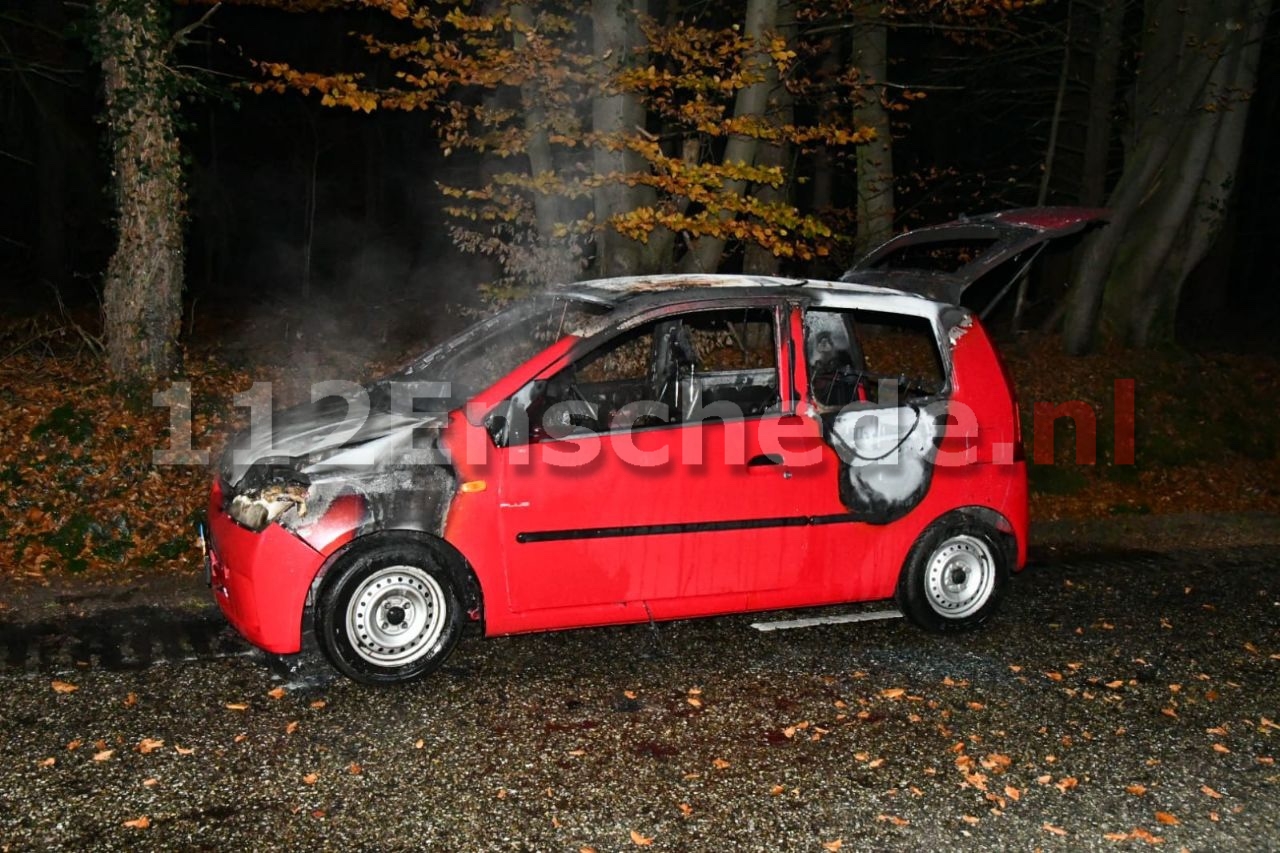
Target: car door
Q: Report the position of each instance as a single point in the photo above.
(683, 500)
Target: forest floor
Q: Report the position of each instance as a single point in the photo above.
(81, 492)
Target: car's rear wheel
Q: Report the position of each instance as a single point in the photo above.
(389, 613)
(955, 576)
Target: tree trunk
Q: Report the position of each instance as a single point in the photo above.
(1155, 310)
(541, 162)
(756, 259)
(616, 33)
(824, 168)
(1189, 57)
(761, 16)
(875, 158)
(142, 291)
(1102, 96)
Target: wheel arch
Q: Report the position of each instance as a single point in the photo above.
(1008, 537)
(468, 582)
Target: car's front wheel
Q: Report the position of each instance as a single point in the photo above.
(955, 576)
(389, 613)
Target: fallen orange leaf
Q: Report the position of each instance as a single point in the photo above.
(311, 778)
(149, 744)
(139, 823)
(1056, 830)
(1136, 790)
(1167, 818)
(720, 764)
(104, 755)
(63, 686)
(640, 840)
(833, 845)
(278, 693)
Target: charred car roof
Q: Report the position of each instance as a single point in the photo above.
(615, 291)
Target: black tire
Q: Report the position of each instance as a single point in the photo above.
(389, 613)
(955, 576)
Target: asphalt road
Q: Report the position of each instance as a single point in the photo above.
(1115, 701)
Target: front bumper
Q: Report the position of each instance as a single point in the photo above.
(260, 580)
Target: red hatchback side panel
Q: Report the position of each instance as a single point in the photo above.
(983, 386)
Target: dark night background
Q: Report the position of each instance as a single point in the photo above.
(271, 175)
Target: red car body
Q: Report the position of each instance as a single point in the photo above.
(635, 518)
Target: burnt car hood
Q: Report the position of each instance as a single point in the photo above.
(329, 435)
(1008, 234)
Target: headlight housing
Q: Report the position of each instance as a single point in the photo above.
(255, 508)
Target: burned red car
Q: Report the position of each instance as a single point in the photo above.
(631, 450)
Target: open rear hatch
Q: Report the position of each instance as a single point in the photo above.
(943, 261)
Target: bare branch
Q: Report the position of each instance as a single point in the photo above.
(180, 36)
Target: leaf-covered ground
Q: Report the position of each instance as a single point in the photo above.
(81, 491)
(1206, 431)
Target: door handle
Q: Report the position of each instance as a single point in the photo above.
(764, 460)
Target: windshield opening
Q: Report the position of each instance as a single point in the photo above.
(482, 354)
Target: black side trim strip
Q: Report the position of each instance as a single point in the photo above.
(689, 527)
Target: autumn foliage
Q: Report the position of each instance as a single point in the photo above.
(617, 141)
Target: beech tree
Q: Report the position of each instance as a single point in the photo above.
(625, 138)
(1197, 68)
(622, 139)
(142, 288)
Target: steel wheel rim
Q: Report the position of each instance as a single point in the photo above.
(960, 577)
(395, 616)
